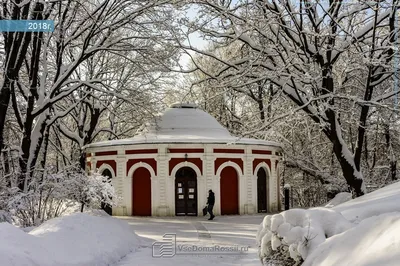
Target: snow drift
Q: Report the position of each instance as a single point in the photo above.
(374, 242)
(77, 239)
(298, 231)
(363, 231)
(339, 199)
(380, 201)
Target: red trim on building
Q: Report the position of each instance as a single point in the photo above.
(228, 151)
(111, 163)
(258, 161)
(194, 150)
(261, 152)
(175, 161)
(150, 161)
(142, 151)
(105, 153)
(219, 161)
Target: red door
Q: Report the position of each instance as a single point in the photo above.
(229, 191)
(141, 192)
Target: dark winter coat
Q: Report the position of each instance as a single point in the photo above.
(211, 198)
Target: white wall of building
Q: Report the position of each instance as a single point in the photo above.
(163, 183)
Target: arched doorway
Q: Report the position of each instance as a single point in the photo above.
(186, 192)
(107, 207)
(229, 190)
(262, 190)
(141, 192)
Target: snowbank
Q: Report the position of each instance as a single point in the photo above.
(364, 231)
(374, 242)
(380, 201)
(77, 239)
(298, 231)
(339, 199)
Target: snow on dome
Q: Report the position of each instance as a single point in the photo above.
(186, 119)
(184, 123)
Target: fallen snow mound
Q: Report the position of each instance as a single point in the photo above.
(374, 242)
(364, 231)
(77, 239)
(380, 201)
(298, 231)
(339, 199)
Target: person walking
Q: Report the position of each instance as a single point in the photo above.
(210, 203)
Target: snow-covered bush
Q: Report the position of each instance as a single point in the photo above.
(5, 217)
(288, 237)
(91, 190)
(51, 195)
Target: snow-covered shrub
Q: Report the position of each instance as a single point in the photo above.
(91, 190)
(51, 195)
(288, 237)
(5, 217)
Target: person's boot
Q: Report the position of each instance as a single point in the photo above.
(212, 217)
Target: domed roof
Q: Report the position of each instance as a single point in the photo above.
(186, 119)
(184, 123)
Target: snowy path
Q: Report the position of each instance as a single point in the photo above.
(224, 231)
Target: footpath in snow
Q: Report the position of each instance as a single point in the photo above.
(87, 239)
(197, 233)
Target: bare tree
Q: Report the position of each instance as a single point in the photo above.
(40, 68)
(330, 59)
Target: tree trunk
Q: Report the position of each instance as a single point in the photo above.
(260, 101)
(5, 94)
(351, 171)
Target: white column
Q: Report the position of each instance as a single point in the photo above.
(248, 203)
(202, 190)
(210, 180)
(119, 186)
(208, 168)
(165, 205)
(93, 162)
(273, 189)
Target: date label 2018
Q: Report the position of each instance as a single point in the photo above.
(26, 25)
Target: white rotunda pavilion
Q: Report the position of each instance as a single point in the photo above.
(168, 168)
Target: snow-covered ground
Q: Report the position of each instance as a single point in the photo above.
(77, 239)
(98, 239)
(363, 231)
(224, 231)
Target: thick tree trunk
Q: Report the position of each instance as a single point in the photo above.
(5, 94)
(351, 175)
(260, 101)
(82, 160)
(351, 171)
(15, 46)
(391, 155)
